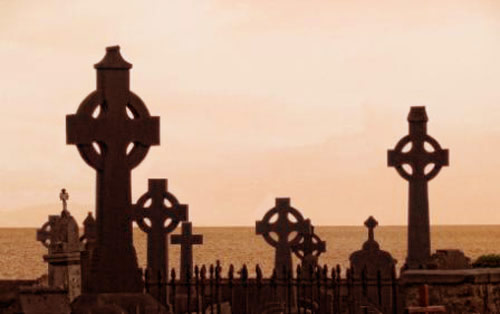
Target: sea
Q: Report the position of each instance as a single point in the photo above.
(21, 256)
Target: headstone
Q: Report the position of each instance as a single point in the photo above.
(164, 214)
(186, 240)
(308, 251)
(60, 236)
(113, 131)
(418, 158)
(373, 265)
(283, 227)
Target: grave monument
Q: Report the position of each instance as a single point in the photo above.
(418, 157)
(113, 130)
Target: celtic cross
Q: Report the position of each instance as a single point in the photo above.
(311, 245)
(113, 131)
(283, 227)
(163, 214)
(186, 240)
(418, 158)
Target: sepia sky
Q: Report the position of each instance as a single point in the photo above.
(259, 99)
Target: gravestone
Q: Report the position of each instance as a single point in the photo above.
(418, 158)
(282, 227)
(308, 250)
(60, 236)
(186, 240)
(373, 264)
(113, 131)
(164, 214)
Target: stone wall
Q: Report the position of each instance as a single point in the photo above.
(461, 291)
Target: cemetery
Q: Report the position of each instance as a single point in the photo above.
(95, 270)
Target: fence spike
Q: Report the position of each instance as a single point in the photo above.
(258, 272)
(230, 273)
(172, 274)
(325, 271)
(244, 273)
(298, 271)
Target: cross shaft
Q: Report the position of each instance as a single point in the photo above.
(186, 240)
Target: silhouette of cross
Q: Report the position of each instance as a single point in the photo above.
(46, 233)
(113, 143)
(164, 214)
(186, 240)
(64, 197)
(283, 228)
(310, 245)
(371, 224)
(418, 158)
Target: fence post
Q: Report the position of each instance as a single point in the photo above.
(230, 277)
(197, 288)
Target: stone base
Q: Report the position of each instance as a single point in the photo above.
(44, 300)
(449, 259)
(119, 303)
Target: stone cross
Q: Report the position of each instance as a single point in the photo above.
(418, 158)
(186, 240)
(113, 131)
(64, 197)
(283, 227)
(311, 244)
(164, 214)
(371, 224)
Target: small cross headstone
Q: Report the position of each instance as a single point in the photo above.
(113, 130)
(163, 214)
(186, 240)
(308, 250)
(283, 227)
(424, 306)
(418, 158)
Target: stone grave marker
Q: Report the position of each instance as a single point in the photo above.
(374, 264)
(282, 227)
(418, 157)
(60, 235)
(113, 131)
(186, 240)
(163, 214)
(308, 250)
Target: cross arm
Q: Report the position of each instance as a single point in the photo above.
(145, 130)
(262, 227)
(82, 129)
(439, 157)
(395, 158)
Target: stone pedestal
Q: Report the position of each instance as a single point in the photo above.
(123, 303)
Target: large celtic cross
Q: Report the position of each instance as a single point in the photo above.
(113, 131)
(424, 164)
(283, 227)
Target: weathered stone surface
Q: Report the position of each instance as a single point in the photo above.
(418, 158)
(461, 291)
(89, 241)
(44, 300)
(103, 141)
(450, 259)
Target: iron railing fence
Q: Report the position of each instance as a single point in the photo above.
(318, 290)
